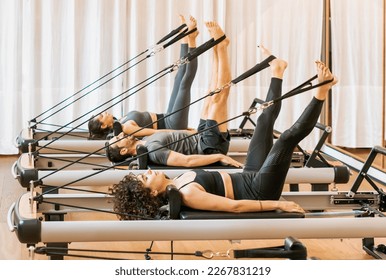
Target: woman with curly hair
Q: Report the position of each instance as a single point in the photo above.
(258, 187)
(138, 123)
(131, 197)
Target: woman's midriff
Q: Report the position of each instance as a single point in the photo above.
(154, 120)
(228, 187)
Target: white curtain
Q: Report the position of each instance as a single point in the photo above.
(357, 53)
(52, 49)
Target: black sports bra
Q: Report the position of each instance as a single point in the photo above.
(211, 181)
(143, 119)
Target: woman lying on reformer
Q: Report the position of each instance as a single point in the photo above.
(257, 188)
(137, 123)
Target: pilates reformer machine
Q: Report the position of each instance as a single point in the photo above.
(39, 218)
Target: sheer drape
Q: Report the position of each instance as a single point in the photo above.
(357, 51)
(10, 74)
(51, 49)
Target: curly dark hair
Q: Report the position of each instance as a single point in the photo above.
(96, 132)
(132, 201)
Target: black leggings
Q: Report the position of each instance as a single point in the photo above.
(180, 96)
(267, 165)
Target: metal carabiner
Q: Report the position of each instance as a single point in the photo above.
(265, 105)
(156, 49)
(179, 63)
(208, 254)
(220, 89)
(252, 111)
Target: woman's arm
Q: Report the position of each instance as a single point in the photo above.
(194, 197)
(178, 159)
(131, 128)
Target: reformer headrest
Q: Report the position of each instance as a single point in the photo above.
(142, 154)
(117, 128)
(174, 198)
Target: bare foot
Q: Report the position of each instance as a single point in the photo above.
(183, 21)
(216, 32)
(278, 65)
(264, 51)
(324, 74)
(192, 37)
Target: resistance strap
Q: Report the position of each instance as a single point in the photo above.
(295, 91)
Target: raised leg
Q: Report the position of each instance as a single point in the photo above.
(262, 139)
(218, 107)
(181, 95)
(269, 180)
